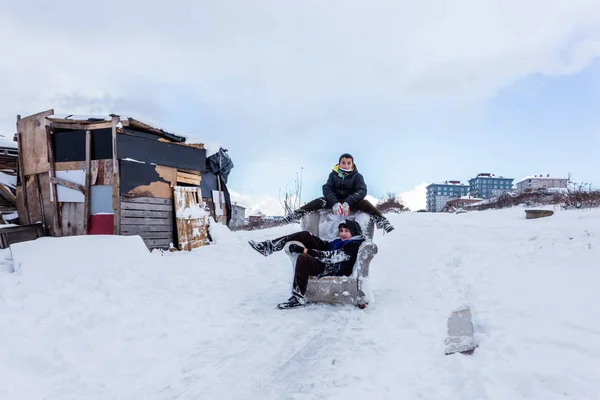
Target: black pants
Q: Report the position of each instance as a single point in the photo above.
(309, 240)
(321, 203)
(306, 265)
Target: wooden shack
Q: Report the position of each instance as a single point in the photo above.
(81, 175)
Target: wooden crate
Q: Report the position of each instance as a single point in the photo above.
(191, 217)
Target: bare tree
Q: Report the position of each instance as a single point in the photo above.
(290, 198)
(391, 203)
(580, 195)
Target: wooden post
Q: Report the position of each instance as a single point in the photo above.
(22, 176)
(53, 181)
(116, 191)
(41, 199)
(220, 198)
(88, 181)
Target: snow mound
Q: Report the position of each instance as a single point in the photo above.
(102, 318)
(77, 253)
(8, 180)
(220, 233)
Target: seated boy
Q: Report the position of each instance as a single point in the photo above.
(317, 258)
(345, 188)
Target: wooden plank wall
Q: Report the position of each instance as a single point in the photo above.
(72, 215)
(151, 218)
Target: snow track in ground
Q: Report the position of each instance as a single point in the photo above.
(205, 324)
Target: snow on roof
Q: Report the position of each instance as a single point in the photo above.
(80, 117)
(540, 177)
(8, 180)
(449, 183)
(490, 177)
(7, 141)
(210, 147)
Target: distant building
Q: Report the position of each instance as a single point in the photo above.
(463, 201)
(238, 215)
(535, 182)
(486, 186)
(438, 194)
(256, 216)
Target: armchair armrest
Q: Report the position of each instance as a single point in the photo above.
(366, 252)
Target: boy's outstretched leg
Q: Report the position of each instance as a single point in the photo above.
(381, 222)
(269, 246)
(314, 205)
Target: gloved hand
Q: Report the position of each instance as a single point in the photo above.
(337, 208)
(294, 248)
(345, 208)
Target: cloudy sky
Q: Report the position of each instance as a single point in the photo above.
(416, 92)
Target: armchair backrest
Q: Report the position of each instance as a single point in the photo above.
(324, 223)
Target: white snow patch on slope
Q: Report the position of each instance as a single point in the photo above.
(221, 234)
(108, 321)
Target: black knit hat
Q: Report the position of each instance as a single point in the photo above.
(352, 226)
(346, 155)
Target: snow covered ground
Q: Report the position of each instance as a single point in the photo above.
(101, 318)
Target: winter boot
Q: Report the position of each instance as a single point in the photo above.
(295, 301)
(294, 216)
(383, 223)
(268, 246)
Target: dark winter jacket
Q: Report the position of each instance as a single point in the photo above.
(341, 186)
(339, 256)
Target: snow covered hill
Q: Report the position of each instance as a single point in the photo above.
(101, 318)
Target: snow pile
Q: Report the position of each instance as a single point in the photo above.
(194, 211)
(210, 146)
(137, 161)
(8, 141)
(186, 208)
(8, 180)
(69, 255)
(99, 318)
(80, 117)
(220, 233)
(2, 226)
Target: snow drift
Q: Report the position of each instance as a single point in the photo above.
(99, 317)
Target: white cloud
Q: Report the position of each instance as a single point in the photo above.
(273, 56)
(280, 81)
(416, 198)
(268, 205)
